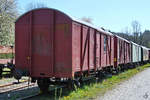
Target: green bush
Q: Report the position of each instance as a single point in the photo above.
(6, 55)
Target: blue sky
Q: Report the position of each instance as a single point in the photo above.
(115, 15)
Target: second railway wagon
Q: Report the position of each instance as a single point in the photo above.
(122, 51)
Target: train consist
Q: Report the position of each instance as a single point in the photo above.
(52, 47)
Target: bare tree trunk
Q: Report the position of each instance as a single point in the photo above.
(136, 31)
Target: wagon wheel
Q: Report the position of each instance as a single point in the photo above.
(119, 69)
(101, 75)
(115, 70)
(81, 81)
(73, 84)
(43, 85)
(17, 74)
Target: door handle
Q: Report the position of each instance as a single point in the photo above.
(28, 57)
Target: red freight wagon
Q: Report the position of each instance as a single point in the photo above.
(122, 55)
(50, 44)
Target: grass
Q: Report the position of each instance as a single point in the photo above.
(93, 89)
(96, 89)
(6, 55)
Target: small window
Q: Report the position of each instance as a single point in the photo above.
(105, 43)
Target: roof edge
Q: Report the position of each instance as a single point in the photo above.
(40, 9)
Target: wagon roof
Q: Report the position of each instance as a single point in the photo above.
(135, 43)
(145, 47)
(72, 18)
(39, 9)
(122, 38)
(90, 25)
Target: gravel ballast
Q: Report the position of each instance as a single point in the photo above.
(136, 88)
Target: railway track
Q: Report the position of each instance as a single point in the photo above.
(1, 86)
(14, 86)
(29, 97)
(10, 90)
(40, 94)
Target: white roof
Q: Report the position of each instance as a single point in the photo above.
(145, 47)
(90, 25)
(134, 43)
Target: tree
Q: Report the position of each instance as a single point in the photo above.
(127, 30)
(136, 27)
(146, 38)
(87, 19)
(8, 14)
